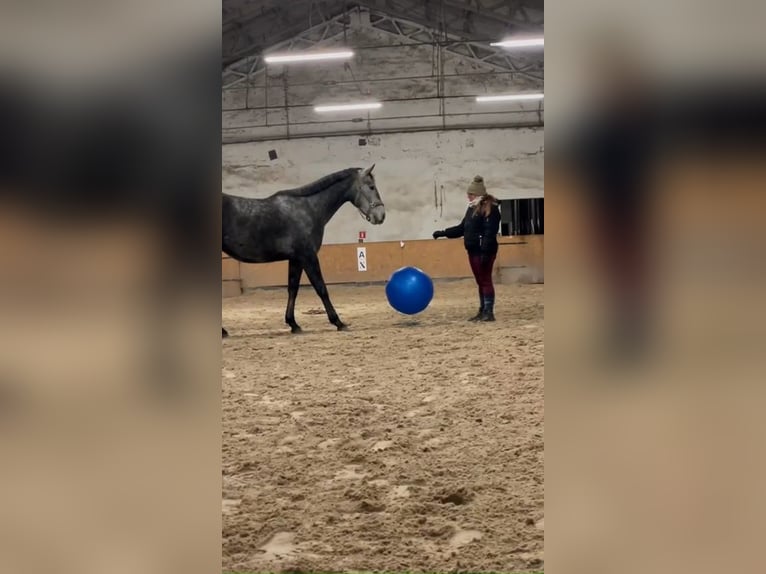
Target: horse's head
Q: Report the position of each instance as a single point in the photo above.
(367, 199)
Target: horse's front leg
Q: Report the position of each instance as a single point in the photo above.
(314, 273)
(293, 284)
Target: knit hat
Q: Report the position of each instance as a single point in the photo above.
(476, 187)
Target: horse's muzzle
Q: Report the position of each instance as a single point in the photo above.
(377, 215)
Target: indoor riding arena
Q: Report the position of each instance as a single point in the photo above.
(403, 441)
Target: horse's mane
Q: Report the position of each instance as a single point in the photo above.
(320, 184)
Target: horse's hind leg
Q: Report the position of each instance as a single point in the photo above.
(314, 273)
(293, 284)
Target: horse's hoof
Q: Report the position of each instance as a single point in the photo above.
(342, 327)
(296, 330)
(224, 333)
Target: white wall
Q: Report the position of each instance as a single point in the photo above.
(407, 166)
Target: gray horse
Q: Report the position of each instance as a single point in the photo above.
(289, 226)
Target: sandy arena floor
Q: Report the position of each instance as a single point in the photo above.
(401, 444)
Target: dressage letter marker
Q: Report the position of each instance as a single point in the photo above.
(361, 258)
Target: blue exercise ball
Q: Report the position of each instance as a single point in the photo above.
(409, 290)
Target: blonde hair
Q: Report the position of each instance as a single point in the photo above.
(485, 205)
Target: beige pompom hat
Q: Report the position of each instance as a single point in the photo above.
(476, 187)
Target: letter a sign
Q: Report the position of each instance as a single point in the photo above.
(361, 258)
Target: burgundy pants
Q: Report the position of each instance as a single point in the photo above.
(483, 274)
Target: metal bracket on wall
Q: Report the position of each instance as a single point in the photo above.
(441, 202)
(286, 88)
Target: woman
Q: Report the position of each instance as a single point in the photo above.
(479, 230)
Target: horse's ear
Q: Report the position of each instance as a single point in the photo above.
(368, 171)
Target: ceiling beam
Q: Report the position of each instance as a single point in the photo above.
(274, 25)
(497, 59)
(486, 24)
(251, 30)
(503, 61)
(323, 33)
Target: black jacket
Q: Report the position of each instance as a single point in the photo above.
(479, 233)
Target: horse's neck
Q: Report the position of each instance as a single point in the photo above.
(327, 202)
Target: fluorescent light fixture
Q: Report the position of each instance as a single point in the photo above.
(348, 107)
(510, 98)
(520, 43)
(307, 57)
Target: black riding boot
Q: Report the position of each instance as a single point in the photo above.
(488, 313)
(479, 314)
